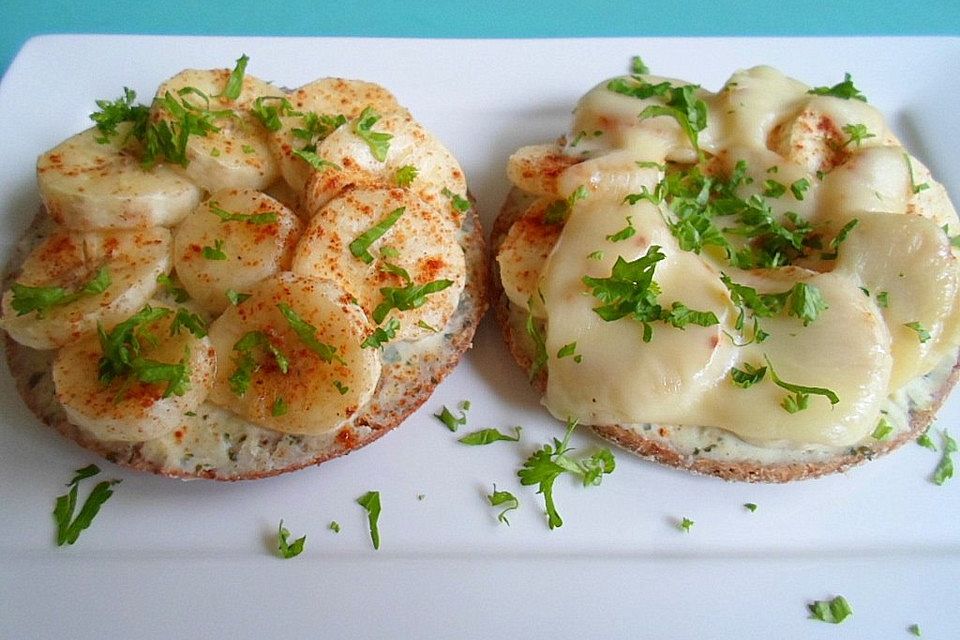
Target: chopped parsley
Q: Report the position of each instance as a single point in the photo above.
(360, 247)
(247, 363)
(489, 436)
(559, 210)
(803, 301)
(316, 128)
(799, 187)
(944, 470)
(685, 524)
(235, 297)
(235, 81)
(379, 142)
(503, 498)
(411, 296)
(308, 334)
(747, 377)
(315, 161)
(845, 90)
(269, 109)
(679, 103)
(334, 526)
(535, 331)
(914, 187)
(883, 429)
(179, 294)
(773, 189)
(371, 502)
(914, 629)
(279, 407)
(637, 67)
(41, 299)
(924, 440)
(883, 299)
(405, 175)
(458, 202)
(857, 134)
(122, 355)
(800, 399)
(215, 252)
(286, 549)
(451, 421)
(111, 114)
(627, 232)
(193, 323)
(922, 334)
(545, 465)
(268, 217)
(569, 350)
(68, 527)
(595, 255)
(750, 506)
(631, 291)
(381, 335)
(833, 611)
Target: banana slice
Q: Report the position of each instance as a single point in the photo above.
(326, 98)
(87, 185)
(237, 155)
(906, 261)
(290, 357)
(180, 366)
(417, 248)
(535, 168)
(73, 280)
(824, 132)
(523, 253)
(438, 177)
(232, 241)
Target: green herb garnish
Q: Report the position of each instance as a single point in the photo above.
(747, 377)
(308, 334)
(235, 297)
(801, 394)
(488, 436)
(247, 363)
(922, 334)
(168, 284)
(235, 81)
(411, 296)
(799, 187)
(371, 502)
(268, 217)
(559, 210)
(458, 202)
(215, 252)
(685, 524)
(545, 465)
(279, 407)
(68, 527)
(193, 323)
(334, 526)
(833, 611)
(845, 90)
(883, 429)
(944, 470)
(857, 134)
(42, 299)
(111, 114)
(269, 109)
(405, 175)
(749, 506)
(501, 498)
(288, 550)
(627, 232)
(451, 421)
(378, 142)
(315, 161)
(360, 248)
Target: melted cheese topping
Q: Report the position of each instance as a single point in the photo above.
(894, 268)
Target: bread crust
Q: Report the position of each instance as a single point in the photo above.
(249, 452)
(659, 449)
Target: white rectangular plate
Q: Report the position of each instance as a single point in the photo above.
(171, 559)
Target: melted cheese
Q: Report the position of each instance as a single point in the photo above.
(859, 349)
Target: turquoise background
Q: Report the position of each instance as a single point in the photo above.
(21, 19)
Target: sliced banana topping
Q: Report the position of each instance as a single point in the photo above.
(321, 107)
(87, 184)
(136, 381)
(524, 251)
(74, 280)
(395, 254)
(236, 238)
(290, 357)
(374, 149)
(905, 264)
(229, 150)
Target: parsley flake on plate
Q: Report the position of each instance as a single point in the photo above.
(287, 549)
(506, 499)
(488, 436)
(451, 421)
(833, 611)
(370, 501)
(68, 527)
(548, 463)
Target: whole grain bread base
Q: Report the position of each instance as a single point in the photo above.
(402, 388)
(655, 449)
